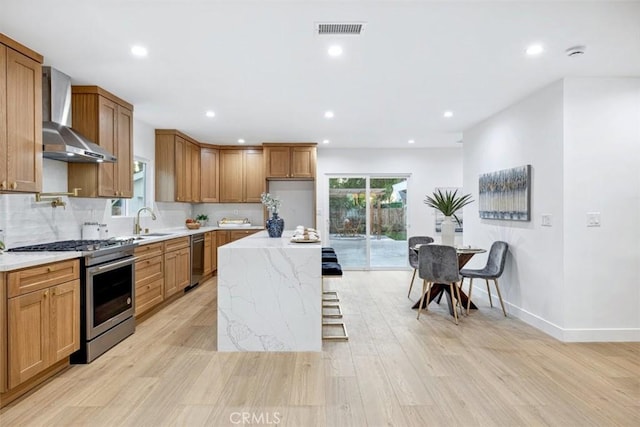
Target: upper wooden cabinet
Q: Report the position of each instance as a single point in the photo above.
(108, 121)
(177, 167)
(290, 161)
(209, 179)
(241, 175)
(20, 118)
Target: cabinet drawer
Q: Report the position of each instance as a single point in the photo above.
(148, 270)
(173, 244)
(152, 249)
(31, 279)
(148, 296)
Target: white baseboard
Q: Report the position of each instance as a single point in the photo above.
(562, 334)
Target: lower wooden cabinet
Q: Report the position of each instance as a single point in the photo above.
(208, 258)
(149, 277)
(177, 264)
(43, 325)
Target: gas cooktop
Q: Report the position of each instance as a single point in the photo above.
(74, 245)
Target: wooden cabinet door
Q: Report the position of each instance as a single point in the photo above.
(277, 161)
(303, 162)
(107, 134)
(3, 124)
(170, 273)
(28, 336)
(64, 315)
(124, 152)
(23, 123)
(180, 170)
(183, 268)
(3, 327)
(223, 237)
(208, 249)
(194, 161)
(254, 176)
(231, 176)
(214, 250)
(209, 170)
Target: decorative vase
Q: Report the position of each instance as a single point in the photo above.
(275, 225)
(448, 235)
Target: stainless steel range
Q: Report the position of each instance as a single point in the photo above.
(107, 292)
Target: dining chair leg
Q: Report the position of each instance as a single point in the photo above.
(424, 288)
(458, 290)
(469, 297)
(455, 311)
(429, 285)
(412, 279)
(495, 282)
(489, 292)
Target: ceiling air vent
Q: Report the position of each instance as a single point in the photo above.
(340, 28)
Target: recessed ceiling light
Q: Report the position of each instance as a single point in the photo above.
(448, 114)
(535, 49)
(139, 51)
(325, 141)
(335, 50)
(210, 114)
(328, 115)
(241, 141)
(411, 141)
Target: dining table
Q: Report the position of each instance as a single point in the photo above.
(438, 290)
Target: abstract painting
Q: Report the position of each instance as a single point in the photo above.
(506, 194)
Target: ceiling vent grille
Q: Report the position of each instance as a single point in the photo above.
(340, 28)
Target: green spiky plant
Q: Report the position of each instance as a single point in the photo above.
(448, 202)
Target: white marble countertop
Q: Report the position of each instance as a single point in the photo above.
(262, 240)
(17, 260)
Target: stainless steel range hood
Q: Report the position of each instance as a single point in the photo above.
(60, 141)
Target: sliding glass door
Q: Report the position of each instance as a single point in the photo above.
(367, 221)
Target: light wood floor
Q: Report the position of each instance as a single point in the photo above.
(394, 370)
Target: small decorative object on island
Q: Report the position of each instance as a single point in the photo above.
(202, 219)
(275, 224)
(448, 203)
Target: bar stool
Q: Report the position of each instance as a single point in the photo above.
(330, 301)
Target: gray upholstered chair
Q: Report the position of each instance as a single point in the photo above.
(413, 255)
(493, 270)
(439, 264)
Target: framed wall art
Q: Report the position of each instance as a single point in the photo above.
(506, 194)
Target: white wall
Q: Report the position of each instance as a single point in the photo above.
(602, 174)
(580, 136)
(429, 168)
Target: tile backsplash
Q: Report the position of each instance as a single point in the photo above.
(26, 221)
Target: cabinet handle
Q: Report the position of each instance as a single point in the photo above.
(45, 294)
(49, 269)
(14, 186)
(3, 185)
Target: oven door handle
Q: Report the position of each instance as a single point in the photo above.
(111, 266)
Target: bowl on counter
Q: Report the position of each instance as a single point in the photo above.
(192, 225)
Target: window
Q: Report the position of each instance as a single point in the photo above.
(128, 207)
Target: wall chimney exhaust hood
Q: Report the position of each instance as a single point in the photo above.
(59, 140)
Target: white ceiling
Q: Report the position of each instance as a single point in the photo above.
(260, 66)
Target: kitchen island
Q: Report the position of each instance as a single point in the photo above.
(269, 295)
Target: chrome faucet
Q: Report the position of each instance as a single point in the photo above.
(136, 224)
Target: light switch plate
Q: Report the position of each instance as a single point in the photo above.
(546, 220)
(593, 219)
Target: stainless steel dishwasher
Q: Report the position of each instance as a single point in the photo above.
(197, 258)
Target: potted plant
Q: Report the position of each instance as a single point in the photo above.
(202, 219)
(448, 203)
(275, 224)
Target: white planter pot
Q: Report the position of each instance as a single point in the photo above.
(448, 235)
